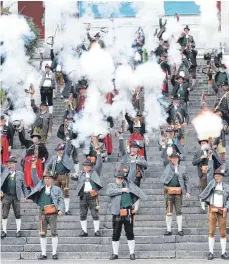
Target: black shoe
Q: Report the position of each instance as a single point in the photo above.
(113, 257)
(3, 235)
(68, 213)
(210, 256)
(132, 256)
(97, 234)
(225, 256)
(54, 256)
(167, 233)
(42, 257)
(18, 234)
(180, 233)
(83, 234)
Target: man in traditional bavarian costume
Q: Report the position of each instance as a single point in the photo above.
(35, 150)
(47, 85)
(180, 88)
(88, 187)
(50, 200)
(60, 165)
(175, 180)
(136, 163)
(201, 160)
(12, 186)
(216, 195)
(44, 120)
(123, 195)
(6, 140)
(166, 70)
(185, 39)
(171, 142)
(66, 130)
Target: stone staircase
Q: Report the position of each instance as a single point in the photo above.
(150, 223)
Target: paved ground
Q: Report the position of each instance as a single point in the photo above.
(150, 261)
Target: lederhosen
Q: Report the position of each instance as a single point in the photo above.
(45, 217)
(173, 199)
(89, 200)
(126, 217)
(61, 178)
(10, 197)
(5, 143)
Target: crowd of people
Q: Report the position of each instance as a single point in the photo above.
(45, 180)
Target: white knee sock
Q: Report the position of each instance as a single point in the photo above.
(131, 245)
(115, 246)
(18, 224)
(223, 242)
(4, 225)
(179, 222)
(66, 203)
(169, 223)
(136, 205)
(51, 109)
(96, 225)
(43, 242)
(211, 243)
(54, 245)
(203, 205)
(76, 168)
(84, 225)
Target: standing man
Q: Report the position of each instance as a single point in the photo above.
(175, 182)
(12, 186)
(50, 200)
(35, 150)
(96, 39)
(89, 185)
(185, 39)
(123, 195)
(6, 140)
(216, 195)
(47, 85)
(44, 122)
(60, 165)
(201, 161)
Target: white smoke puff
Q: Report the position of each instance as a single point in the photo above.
(97, 65)
(93, 121)
(150, 76)
(203, 125)
(125, 84)
(23, 112)
(209, 23)
(174, 55)
(173, 29)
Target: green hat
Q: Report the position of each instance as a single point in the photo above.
(87, 162)
(48, 174)
(35, 134)
(219, 171)
(122, 173)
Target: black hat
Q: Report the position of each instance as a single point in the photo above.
(175, 154)
(87, 162)
(83, 83)
(48, 174)
(175, 96)
(137, 144)
(12, 159)
(97, 35)
(3, 117)
(219, 171)
(187, 27)
(35, 134)
(201, 140)
(170, 129)
(122, 173)
(47, 66)
(43, 103)
(179, 76)
(60, 147)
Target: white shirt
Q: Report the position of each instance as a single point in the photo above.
(217, 199)
(176, 169)
(87, 185)
(59, 158)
